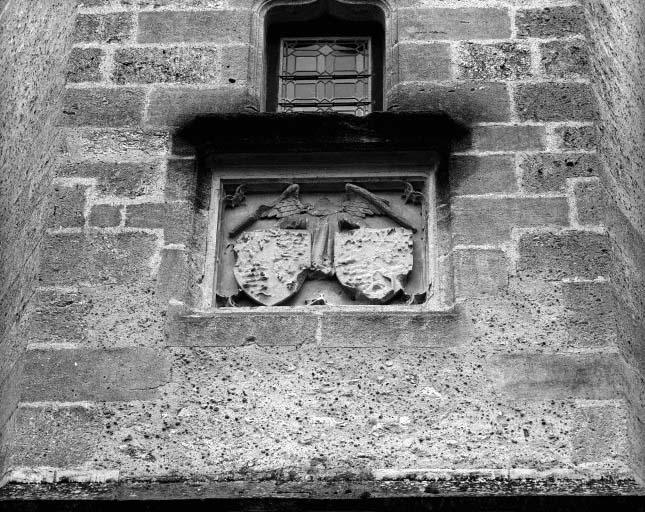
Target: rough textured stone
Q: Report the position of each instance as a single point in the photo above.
(547, 172)
(234, 60)
(35, 41)
(565, 59)
(590, 314)
(577, 137)
(194, 26)
(96, 258)
(102, 107)
(84, 65)
(105, 216)
(470, 102)
(102, 375)
(559, 376)
(494, 61)
(565, 255)
(106, 316)
(103, 28)
(591, 202)
(503, 138)
(422, 61)
(617, 61)
(485, 220)
(116, 179)
(550, 22)
(555, 102)
(181, 180)
(595, 434)
(68, 207)
(482, 174)
(480, 272)
(174, 107)
(174, 218)
(179, 64)
(460, 23)
(56, 437)
(115, 145)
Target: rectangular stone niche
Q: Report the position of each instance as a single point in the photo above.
(319, 215)
(300, 237)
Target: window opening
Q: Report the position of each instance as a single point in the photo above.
(325, 75)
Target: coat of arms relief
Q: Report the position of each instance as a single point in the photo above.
(346, 245)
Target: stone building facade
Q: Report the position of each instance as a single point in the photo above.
(532, 379)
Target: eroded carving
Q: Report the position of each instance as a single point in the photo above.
(324, 239)
(374, 262)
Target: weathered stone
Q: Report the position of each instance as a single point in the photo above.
(103, 107)
(229, 328)
(456, 24)
(590, 314)
(101, 375)
(116, 179)
(105, 216)
(570, 254)
(181, 180)
(234, 60)
(84, 65)
(555, 102)
(548, 172)
(422, 61)
(374, 262)
(565, 59)
(591, 202)
(175, 65)
(68, 207)
(103, 28)
(489, 220)
(174, 107)
(480, 272)
(471, 102)
(577, 137)
(271, 266)
(97, 258)
(558, 376)
(550, 22)
(115, 144)
(194, 26)
(104, 317)
(503, 138)
(482, 174)
(58, 437)
(174, 218)
(494, 61)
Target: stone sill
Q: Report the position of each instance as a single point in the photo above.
(347, 490)
(327, 326)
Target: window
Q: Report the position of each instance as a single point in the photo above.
(325, 75)
(324, 64)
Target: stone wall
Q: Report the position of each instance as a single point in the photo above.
(35, 42)
(534, 389)
(619, 80)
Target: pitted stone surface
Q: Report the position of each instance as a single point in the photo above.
(270, 265)
(375, 262)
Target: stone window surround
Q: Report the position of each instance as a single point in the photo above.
(366, 14)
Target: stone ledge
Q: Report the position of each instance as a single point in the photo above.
(475, 483)
(329, 326)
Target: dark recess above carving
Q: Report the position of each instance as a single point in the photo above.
(315, 132)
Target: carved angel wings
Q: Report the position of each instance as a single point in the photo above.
(360, 204)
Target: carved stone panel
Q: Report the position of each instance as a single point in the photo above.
(333, 241)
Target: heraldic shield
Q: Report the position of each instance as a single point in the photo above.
(374, 262)
(271, 265)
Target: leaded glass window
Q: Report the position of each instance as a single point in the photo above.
(325, 75)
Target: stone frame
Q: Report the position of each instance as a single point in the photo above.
(379, 167)
(338, 146)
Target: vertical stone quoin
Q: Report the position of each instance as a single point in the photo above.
(533, 378)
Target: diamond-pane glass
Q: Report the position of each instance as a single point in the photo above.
(323, 75)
